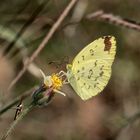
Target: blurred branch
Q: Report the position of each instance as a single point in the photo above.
(125, 123)
(23, 96)
(116, 20)
(23, 29)
(44, 42)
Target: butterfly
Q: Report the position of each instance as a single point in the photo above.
(90, 70)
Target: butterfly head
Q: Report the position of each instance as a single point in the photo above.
(69, 66)
(69, 70)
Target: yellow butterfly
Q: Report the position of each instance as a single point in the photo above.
(91, 69)
(89, 72)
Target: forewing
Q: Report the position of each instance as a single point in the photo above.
(91, 72)
(101, 49)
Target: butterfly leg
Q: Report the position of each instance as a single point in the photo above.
(65, 82)
(63, 74)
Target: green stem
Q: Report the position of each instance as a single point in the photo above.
(16, 100)
(12, 126)
(45, 100)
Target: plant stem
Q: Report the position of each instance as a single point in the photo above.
(16, 100)
(12, 126)
(33, 103)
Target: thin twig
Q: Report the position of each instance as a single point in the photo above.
(12, 126)
(116, 20)
(16, 100)
(44, 100)
(44, 42)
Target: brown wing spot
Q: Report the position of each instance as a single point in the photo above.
(83, 57)
(78, 78)
(95, 64)
(96, 78)
(90, 73)
(78, 71)
(95, 85)
(89, 77)
(102, 67)
(101, 73)
(89, 87)
(83, 68)
(107, 43)
(78, 62)
(91, 52)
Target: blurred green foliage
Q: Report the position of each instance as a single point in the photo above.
(70, 118)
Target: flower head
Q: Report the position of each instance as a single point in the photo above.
(56, 81)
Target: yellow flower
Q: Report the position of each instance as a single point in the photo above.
(56, 81)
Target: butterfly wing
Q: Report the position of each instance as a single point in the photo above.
(91, 68)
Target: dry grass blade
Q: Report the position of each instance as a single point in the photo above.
(44, 42)
(116, 20)
(12, 126)
(16, 100)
